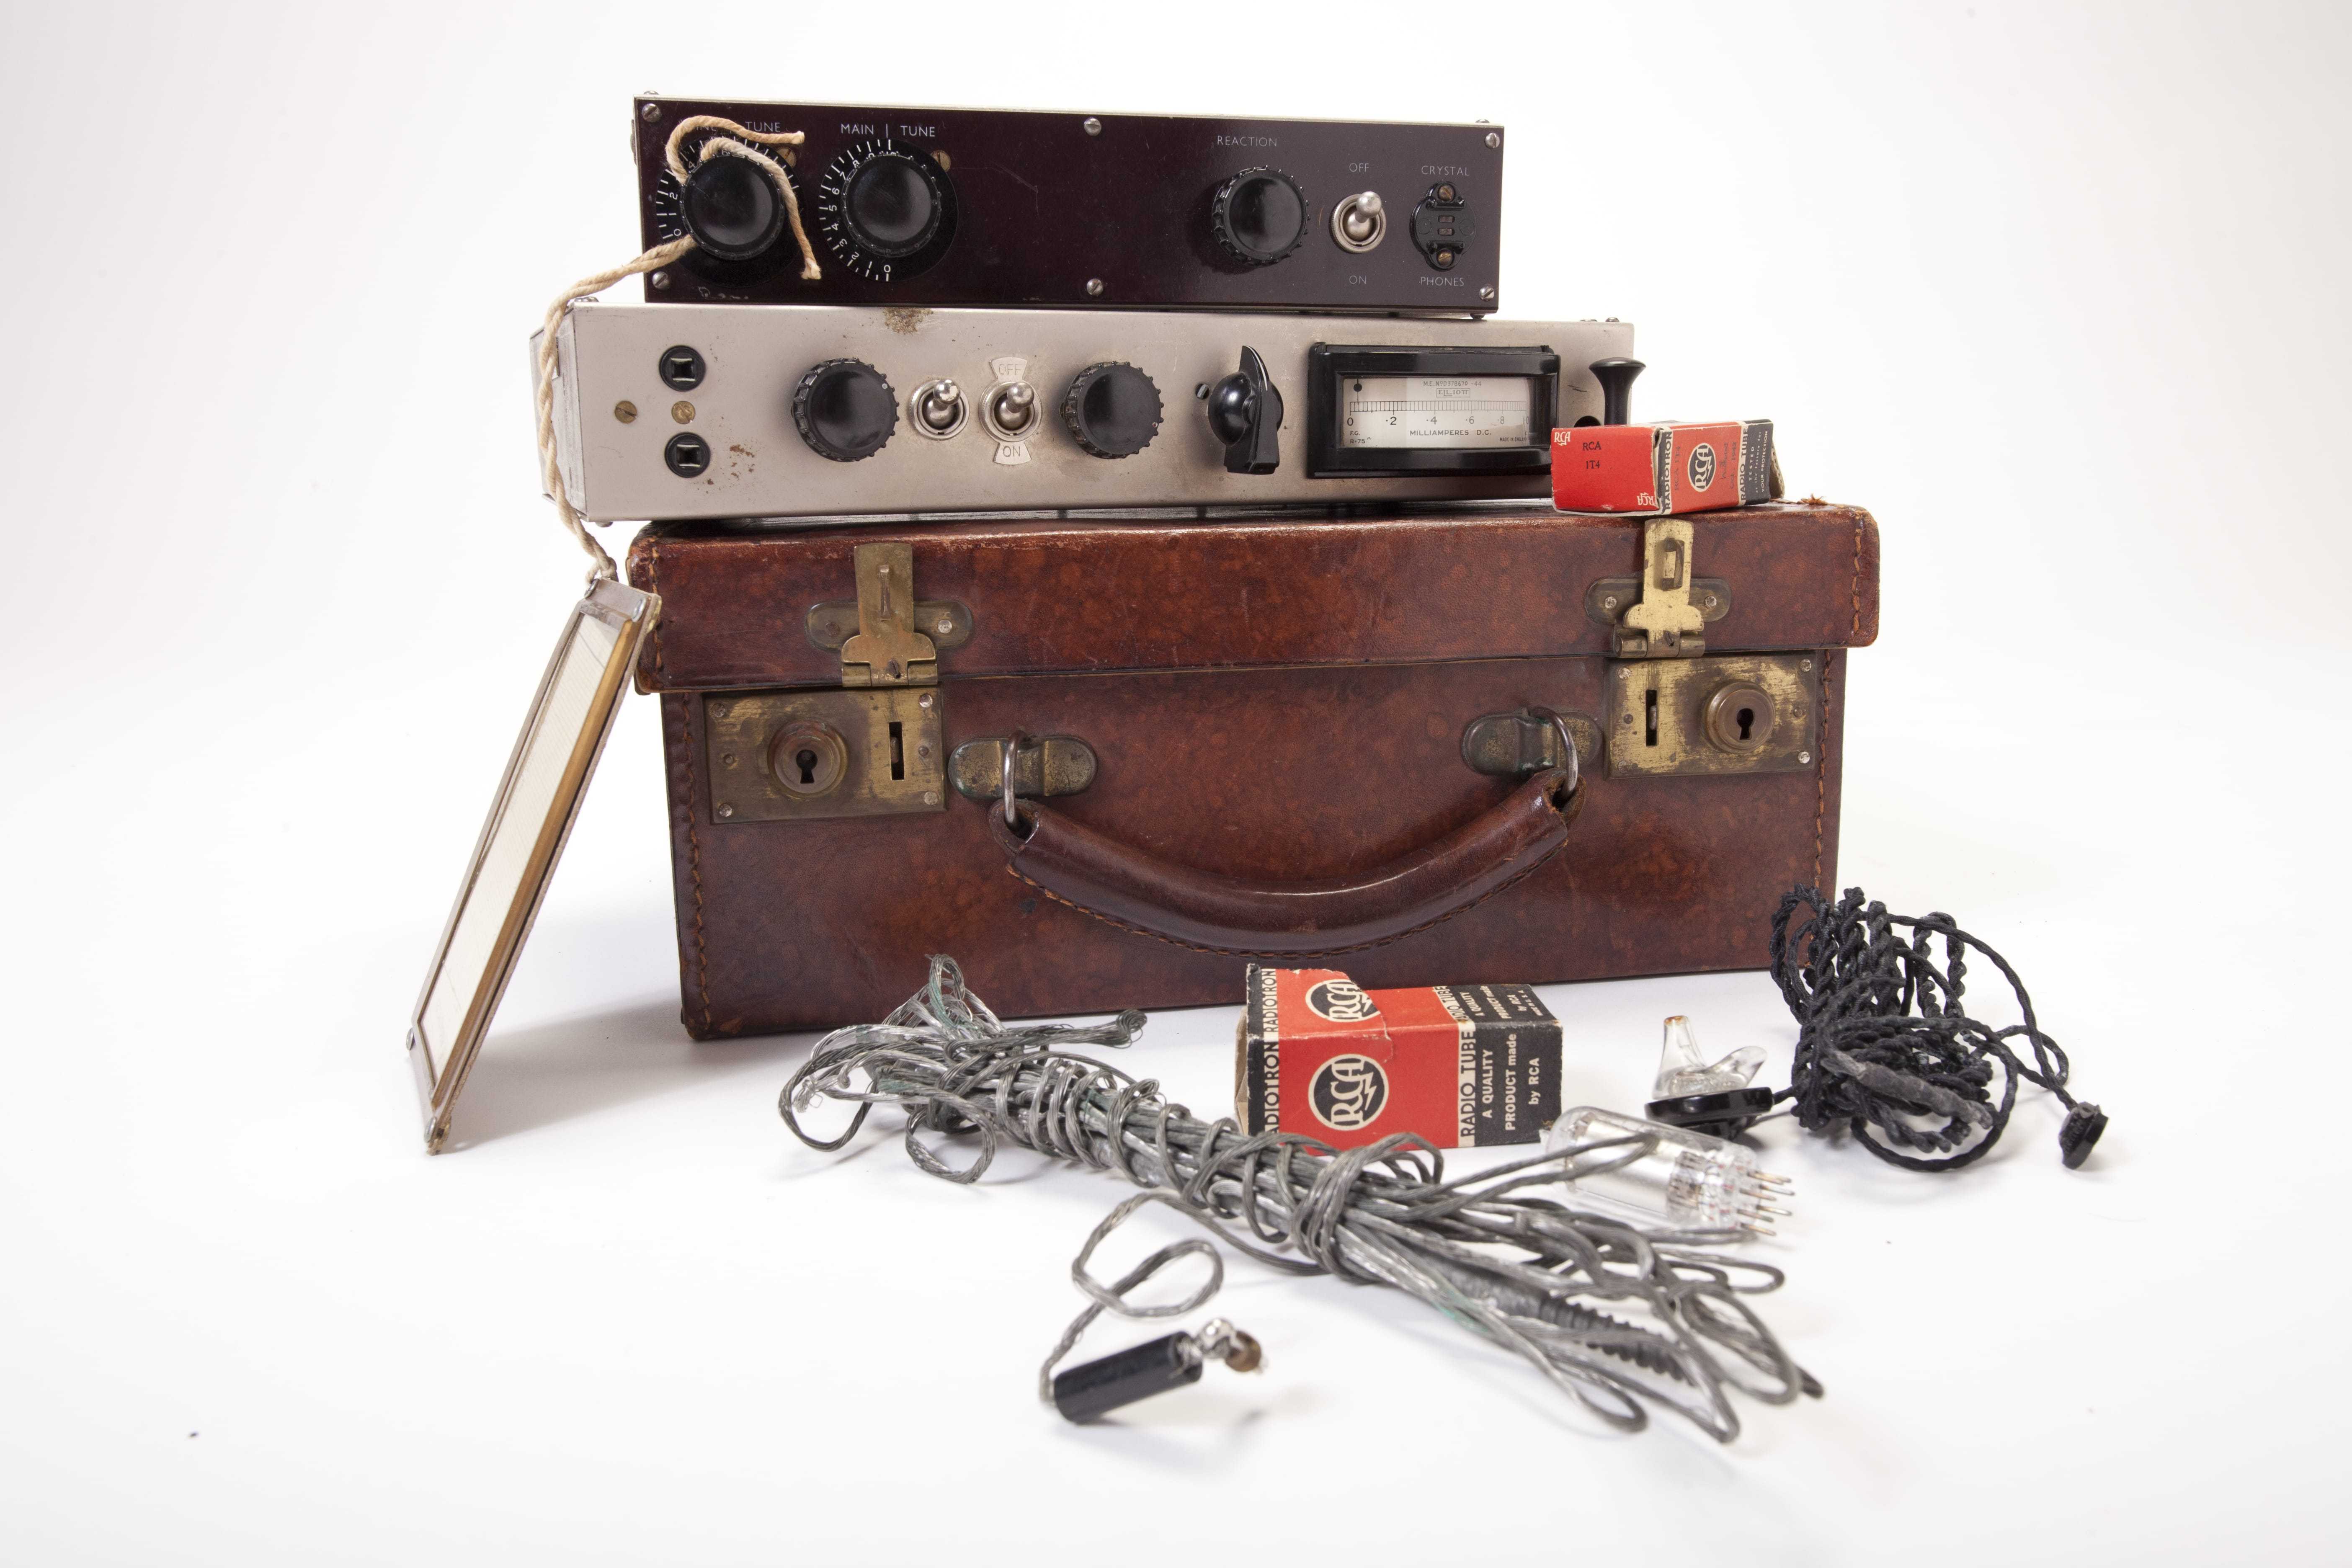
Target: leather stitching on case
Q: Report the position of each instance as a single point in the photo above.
(1853, 638)
(1575, 807)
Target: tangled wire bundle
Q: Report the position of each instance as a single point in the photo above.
(1523, 1270)
(1882, 1047)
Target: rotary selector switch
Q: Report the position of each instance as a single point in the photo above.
(1112, 410)
(886, 211)
(1246, 415)
(1258, 216)
(844, 410)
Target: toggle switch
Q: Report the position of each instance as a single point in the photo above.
(1359, 222)
(1245, 412)
(938, 409)
(1012, 411)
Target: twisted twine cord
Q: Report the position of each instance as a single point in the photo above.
(1884, 1050)
(551, 474)
(726, 143)
(1521, 1270)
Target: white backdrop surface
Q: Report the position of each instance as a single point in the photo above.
(2056, 292)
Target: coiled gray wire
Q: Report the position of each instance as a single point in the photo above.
(1528, 1272)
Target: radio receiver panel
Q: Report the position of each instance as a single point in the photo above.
(966, 207)
(741, 411)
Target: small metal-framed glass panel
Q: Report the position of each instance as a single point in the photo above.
(1403, 411)
(529, 820)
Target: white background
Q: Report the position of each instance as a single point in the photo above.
(2058, 293)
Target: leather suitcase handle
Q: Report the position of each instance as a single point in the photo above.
(1213, 913)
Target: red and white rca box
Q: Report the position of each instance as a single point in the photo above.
(1661, 469)
(1463, 1066)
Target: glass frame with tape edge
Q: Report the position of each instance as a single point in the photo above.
(530, 818)
(1329, 363)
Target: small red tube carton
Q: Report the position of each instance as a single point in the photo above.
(1654, 469)
(1463, 1066)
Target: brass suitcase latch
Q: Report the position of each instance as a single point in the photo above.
(1668, 619)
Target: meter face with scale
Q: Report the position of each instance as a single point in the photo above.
(1430, 411)
(1435, 413)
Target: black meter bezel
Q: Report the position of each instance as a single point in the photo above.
(1328, 459)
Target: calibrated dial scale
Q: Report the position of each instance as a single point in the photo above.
(885, 211)
(1438, 413)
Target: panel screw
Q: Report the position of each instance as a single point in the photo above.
(720, 710)
(924, 700)
(1624, 675)
(412, 1046)
(659, 279)
(1091, 126)
(726, 809)
(922, 751)
(1486, 293)
(1710, 601)
(682, 411)
(729, 759)
(1095, 286)
(1805, 757)
(624, 411)
(930, 798)
(1625, 718)
(1804, 664)
(652, 111)
(1494, 138)
(1609, 601)
(944, 628)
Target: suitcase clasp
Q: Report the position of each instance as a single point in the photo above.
(888, 651)
(1665, 622)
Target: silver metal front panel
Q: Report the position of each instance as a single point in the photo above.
(755, 355)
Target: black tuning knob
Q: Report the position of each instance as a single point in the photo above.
(1616, 379)
(887, 210)
(1245, 413)
(732, 207)
(1113, 410)
(844, 410)
(894, 205)
(1258, 216)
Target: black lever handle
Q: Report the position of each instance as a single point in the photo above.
(1616, 379)
(1245, 412)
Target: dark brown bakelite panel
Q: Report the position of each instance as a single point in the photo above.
(1045, 213)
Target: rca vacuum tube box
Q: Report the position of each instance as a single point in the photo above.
(1462, 1066)
(1655, 469)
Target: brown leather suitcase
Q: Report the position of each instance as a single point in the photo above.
(1290, 737)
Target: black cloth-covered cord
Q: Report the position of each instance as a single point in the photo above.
(1884, 1050)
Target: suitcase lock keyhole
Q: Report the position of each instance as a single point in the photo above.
(1739, 717)
(808, 758)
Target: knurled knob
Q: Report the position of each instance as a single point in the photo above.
(1112, 410)
(1258, 216)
